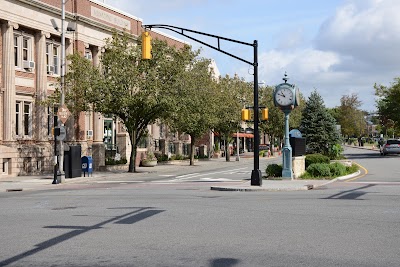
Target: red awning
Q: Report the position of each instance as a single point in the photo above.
(247, 135)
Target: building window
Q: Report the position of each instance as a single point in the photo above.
(23, 51)
(88, 54)
(53, 58)
(23, 119)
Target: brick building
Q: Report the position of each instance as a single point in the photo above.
(30, 64)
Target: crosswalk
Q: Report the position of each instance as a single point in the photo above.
(219, 176)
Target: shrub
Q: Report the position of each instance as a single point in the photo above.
(161, 157)
(319, 170)
(335, 151)
(177, 157)
(112, 161)
(274, 170)
(337, 169)
(316, 158)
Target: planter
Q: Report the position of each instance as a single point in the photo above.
(149, 163)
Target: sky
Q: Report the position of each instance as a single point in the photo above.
(336, 47)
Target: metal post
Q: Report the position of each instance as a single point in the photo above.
(256, 177)
(237, 146)
(55, 180)
(62, 100)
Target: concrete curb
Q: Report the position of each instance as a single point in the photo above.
(342, 178)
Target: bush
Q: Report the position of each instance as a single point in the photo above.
(335, 151)
(274, 170)
(316, 158)
(112, 161)
(318, 170)
(177, 157)
(337, 169)
(161, 157)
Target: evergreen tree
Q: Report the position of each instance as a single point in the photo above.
(318, 126)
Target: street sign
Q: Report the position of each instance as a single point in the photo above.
(63, 113)
(63, 134)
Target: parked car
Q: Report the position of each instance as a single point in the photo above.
(390, 146)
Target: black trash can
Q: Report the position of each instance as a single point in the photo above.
(72, 162)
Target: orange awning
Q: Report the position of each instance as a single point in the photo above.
(247, 135)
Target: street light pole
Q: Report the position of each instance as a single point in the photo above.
(256, 177)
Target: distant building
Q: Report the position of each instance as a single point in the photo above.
(30, 61)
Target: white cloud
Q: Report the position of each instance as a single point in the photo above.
(355, 48)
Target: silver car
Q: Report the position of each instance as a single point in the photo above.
(391, 146)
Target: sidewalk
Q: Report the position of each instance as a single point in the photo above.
(44, 182)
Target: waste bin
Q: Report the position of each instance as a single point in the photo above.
(72, 162)
(87, 165)
(298, 145)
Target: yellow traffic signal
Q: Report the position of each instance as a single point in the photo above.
(245, 114)
(264, 114)
(146, 45)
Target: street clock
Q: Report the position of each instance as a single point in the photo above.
(286, 96)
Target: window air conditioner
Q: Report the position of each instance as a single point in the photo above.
(50, 69)
(28, 64)
(89, 133)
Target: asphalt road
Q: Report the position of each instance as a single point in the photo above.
(183, 223)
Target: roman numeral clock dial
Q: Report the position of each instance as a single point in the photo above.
(284, 97)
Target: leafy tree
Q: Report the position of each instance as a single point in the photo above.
(80, 80)
(350, 117)
(318, 126)
(231, 94)
(388, 105)
(195, 101)
(136, 91)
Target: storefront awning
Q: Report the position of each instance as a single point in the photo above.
(247, 135)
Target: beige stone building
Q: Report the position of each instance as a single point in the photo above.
(30, 65)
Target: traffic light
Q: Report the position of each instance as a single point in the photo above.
(264, 114)
(245, 114)
(146, 45)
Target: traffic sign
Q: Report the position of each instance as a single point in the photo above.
(63, 113)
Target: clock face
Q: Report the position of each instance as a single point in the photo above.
(284, 97)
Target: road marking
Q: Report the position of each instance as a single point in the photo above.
(194, 175)
(377, 183)
(116, 182)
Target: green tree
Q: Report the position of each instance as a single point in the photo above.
(195, 101)
(318, 126)
(137, 92)
(388, 106)
(231, 93)
(350, 117)
(80, 80)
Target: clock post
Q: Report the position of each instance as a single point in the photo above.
(287, 171)
(286, 97)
